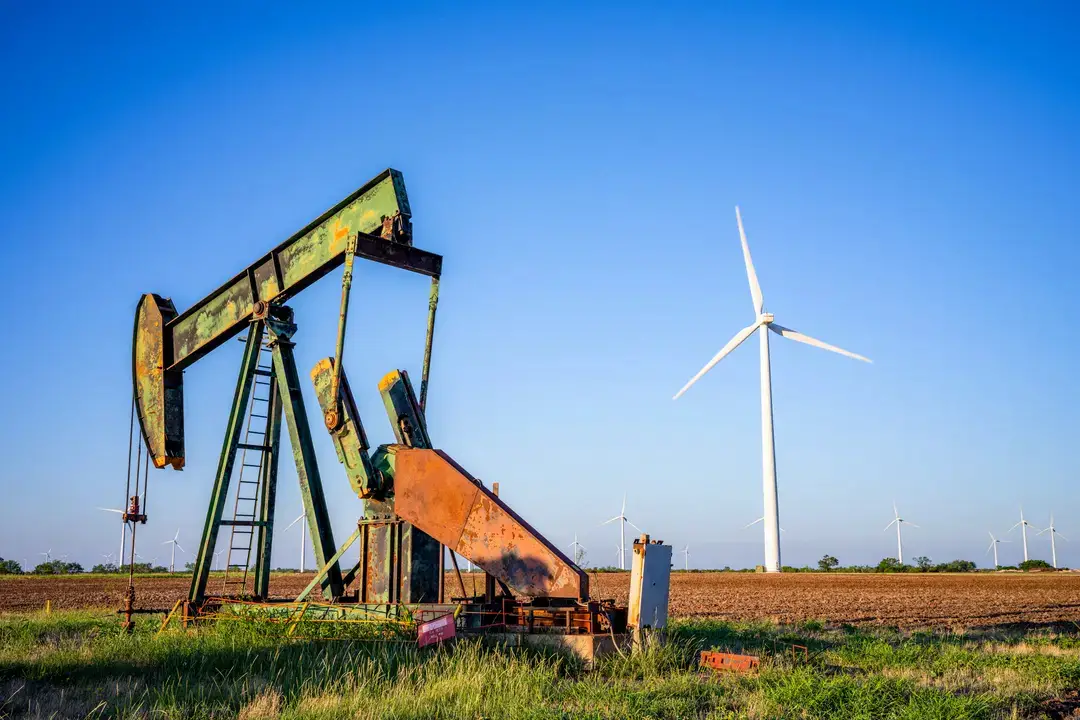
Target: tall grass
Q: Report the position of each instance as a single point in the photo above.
(80, 664)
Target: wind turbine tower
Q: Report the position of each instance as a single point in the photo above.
(994, 546)
(623, 522)
(686, 557)
(898, 521)
(1023, 525)
(763, 324)
(1053, 533)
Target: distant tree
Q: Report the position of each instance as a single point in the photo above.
(10, 567)
(189, 566)
(890, 565)
(58, 567)
(105, 568)
(924, 563)
(827, 563)
(1035, 565)
(954, 566)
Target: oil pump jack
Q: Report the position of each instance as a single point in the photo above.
(416, 500)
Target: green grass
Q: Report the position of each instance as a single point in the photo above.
(79, 664)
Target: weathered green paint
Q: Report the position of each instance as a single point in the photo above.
(406, 418)
(268, 490)
(300, 261)
(307, 467)
(159, 393)
(164, 343)
(350, 440)
(218, 495)
(433, 303)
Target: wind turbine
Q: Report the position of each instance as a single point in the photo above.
(618, 549)
(993, 546)
(579, 550)
(216, 554)
(1023, 525)
(686, 557)
(763, 324)
(175, 542)
(623, 522)
(898, 521)
(1053, 533)
(303, 538)
(48, 555)
(123, 531)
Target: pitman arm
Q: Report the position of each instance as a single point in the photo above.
(433, 493)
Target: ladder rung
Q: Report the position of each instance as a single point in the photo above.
(263, 373)
(254, 465)
(249, 446)
(254, 415)
(256, 432)
(246, 498)
(243, 523)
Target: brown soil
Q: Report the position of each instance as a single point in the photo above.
(900, 600)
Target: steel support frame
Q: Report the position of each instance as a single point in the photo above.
(286, 399)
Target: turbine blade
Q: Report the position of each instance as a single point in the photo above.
(298, 518)
(751, 275)
(891, 524)
(989, 549)
(1016, 526)
(181, 549)
(633, 525)
(799, 337)
(733, 343)
(617, 517)
(1061, 536)
(166, 542)
(1042, 531)
(909, 523)
(111, 510)
(753, 523)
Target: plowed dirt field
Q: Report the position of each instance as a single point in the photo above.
(915, 600)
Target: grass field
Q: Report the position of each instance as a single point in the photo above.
(79, 664)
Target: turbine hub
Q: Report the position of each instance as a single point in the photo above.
(765, 318)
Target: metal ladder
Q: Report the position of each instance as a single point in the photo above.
(249, 485)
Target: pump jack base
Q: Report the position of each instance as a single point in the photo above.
(584, 629)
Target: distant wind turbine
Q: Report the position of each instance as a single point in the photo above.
(123, 531)
(579, 551)
(1053, 534)
(1023, 525)
(175, 542)
(623, 522)
(994, 546)
(686, 557)
(898, 521)
(48, 555)
(763, 324)
(303, 538)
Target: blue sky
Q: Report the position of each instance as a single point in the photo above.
(907, 178)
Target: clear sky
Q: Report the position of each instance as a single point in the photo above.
(907, 175)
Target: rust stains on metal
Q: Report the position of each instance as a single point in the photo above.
(729, 662)
(439, 497)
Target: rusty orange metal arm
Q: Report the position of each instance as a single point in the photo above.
(436, 495)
